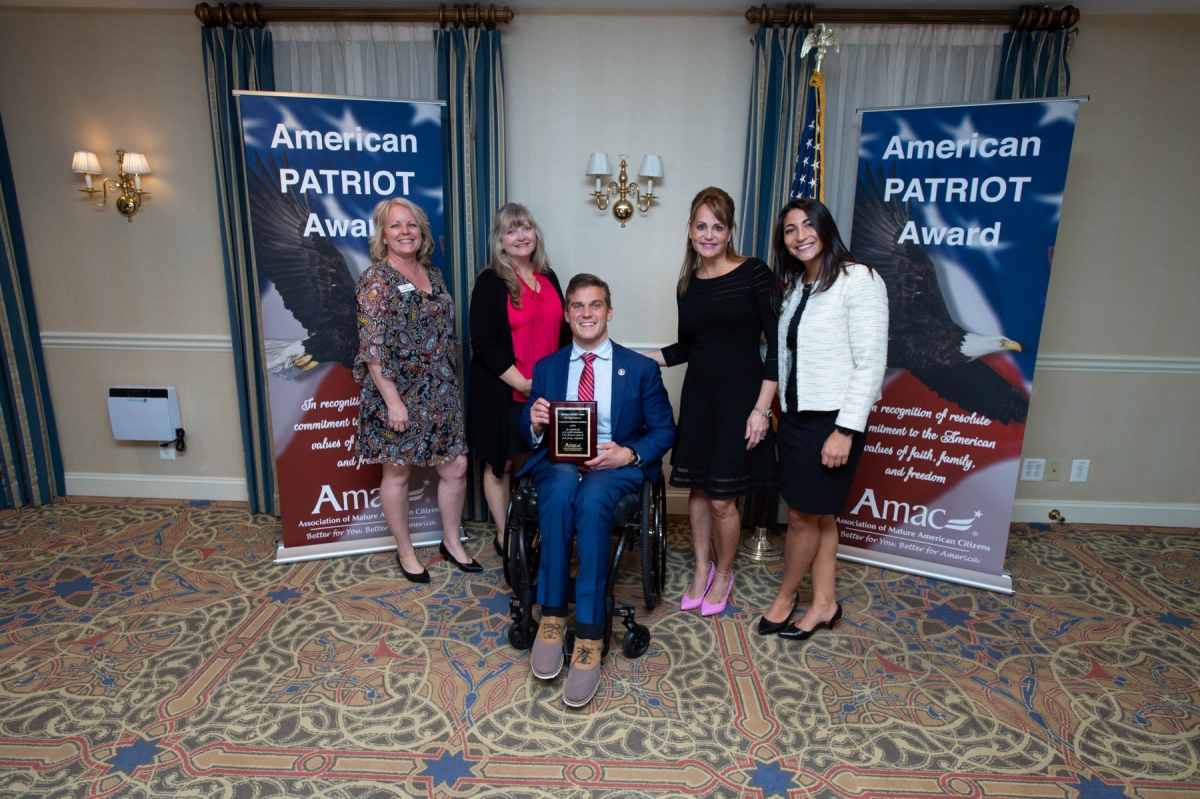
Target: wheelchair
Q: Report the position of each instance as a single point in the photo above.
(638, 519)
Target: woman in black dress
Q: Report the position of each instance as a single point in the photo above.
(725, 446)
(516, 318)
(833, 337)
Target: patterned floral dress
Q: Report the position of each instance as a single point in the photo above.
(411, 335)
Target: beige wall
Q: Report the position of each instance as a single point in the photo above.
(68, 84)
(1124, 280)
(668, 85)
(1122, 285)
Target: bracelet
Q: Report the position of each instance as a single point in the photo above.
(764, 411)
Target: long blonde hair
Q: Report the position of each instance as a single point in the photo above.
(507, 218)
(720, 204)
(379, 250)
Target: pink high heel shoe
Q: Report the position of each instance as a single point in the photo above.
(712, 610)
(687, 603)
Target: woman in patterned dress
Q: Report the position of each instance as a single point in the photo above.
(409, 409)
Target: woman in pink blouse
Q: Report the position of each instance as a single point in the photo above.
(516, 319)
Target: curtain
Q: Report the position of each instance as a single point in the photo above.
(896, 65)
(242, 59)
(461, 67)
(1034, 64)
(876, 67)
(31, 470)
(471, 81)
(393, 60)
(777, 96)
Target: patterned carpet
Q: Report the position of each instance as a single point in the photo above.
(151, 648)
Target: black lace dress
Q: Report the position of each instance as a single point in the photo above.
(721, 322)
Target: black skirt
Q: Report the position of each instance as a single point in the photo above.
(805, 484)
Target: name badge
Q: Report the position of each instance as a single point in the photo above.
(407, 287)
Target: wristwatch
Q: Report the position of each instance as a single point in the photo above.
(764, 411)
(846, 431)
(634, 458)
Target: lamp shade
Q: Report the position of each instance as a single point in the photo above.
(136, 164)
(598, 164)
(86, 163)
(651, 167)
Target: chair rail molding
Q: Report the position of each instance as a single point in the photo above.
(137, 341)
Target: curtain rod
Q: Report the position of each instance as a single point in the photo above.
(1025, 18)
(253, 15)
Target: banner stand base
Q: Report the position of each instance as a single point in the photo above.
(1001, 583)
(355, 546)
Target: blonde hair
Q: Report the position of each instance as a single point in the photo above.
(508, 217)
(720, 204)
(379, 249)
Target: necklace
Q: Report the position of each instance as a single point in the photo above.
(531, 283)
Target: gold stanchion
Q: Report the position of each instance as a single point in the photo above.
(757, 546)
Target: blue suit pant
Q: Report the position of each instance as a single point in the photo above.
(574, 511)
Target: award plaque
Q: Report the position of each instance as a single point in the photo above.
(572, 432)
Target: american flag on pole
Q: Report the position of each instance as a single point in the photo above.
(810, 160)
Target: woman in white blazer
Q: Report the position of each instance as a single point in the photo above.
(832, 352)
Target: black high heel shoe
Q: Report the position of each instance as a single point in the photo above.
(772, 627)
(796, 634)
(497, 545)
(420, 577)
(471, 566)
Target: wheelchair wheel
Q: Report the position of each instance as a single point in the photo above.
(506, 559)
(636, 642)
(654, 543)
(521, 634)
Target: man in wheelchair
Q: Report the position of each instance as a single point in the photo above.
(575, 503)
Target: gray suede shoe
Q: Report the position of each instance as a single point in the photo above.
(546, 656)
(583, 678)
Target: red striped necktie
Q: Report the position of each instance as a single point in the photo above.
(587, 380)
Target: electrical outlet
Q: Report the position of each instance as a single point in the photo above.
(1033, 469)
(1053, 470)
(1079, 470)
(167, 453)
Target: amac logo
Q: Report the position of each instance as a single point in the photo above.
(919, 515)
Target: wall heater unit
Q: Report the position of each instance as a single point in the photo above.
(144, 413)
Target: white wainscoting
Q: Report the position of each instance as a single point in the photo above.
(234, 488)
(155, 486)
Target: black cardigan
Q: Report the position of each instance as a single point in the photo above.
(491, 356)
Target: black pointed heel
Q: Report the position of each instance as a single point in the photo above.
(420, 577)
(772, 627)
(796, 634)
(472, 566)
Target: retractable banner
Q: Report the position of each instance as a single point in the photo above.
(957, 208)
(316, 167)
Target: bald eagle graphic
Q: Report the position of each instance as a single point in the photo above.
(309, 273)
(923, 338)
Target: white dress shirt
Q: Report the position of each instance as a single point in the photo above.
(602, 391)
(602, 370)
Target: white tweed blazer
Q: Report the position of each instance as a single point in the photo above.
(843, 342)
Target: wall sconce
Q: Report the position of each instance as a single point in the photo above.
(622, 209)
(130, 168)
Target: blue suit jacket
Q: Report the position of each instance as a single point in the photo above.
(641, 410)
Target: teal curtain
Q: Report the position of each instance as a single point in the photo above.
(242, 59)
(1034, 64)
(471, 82)
(31, 470)
(778, 91)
